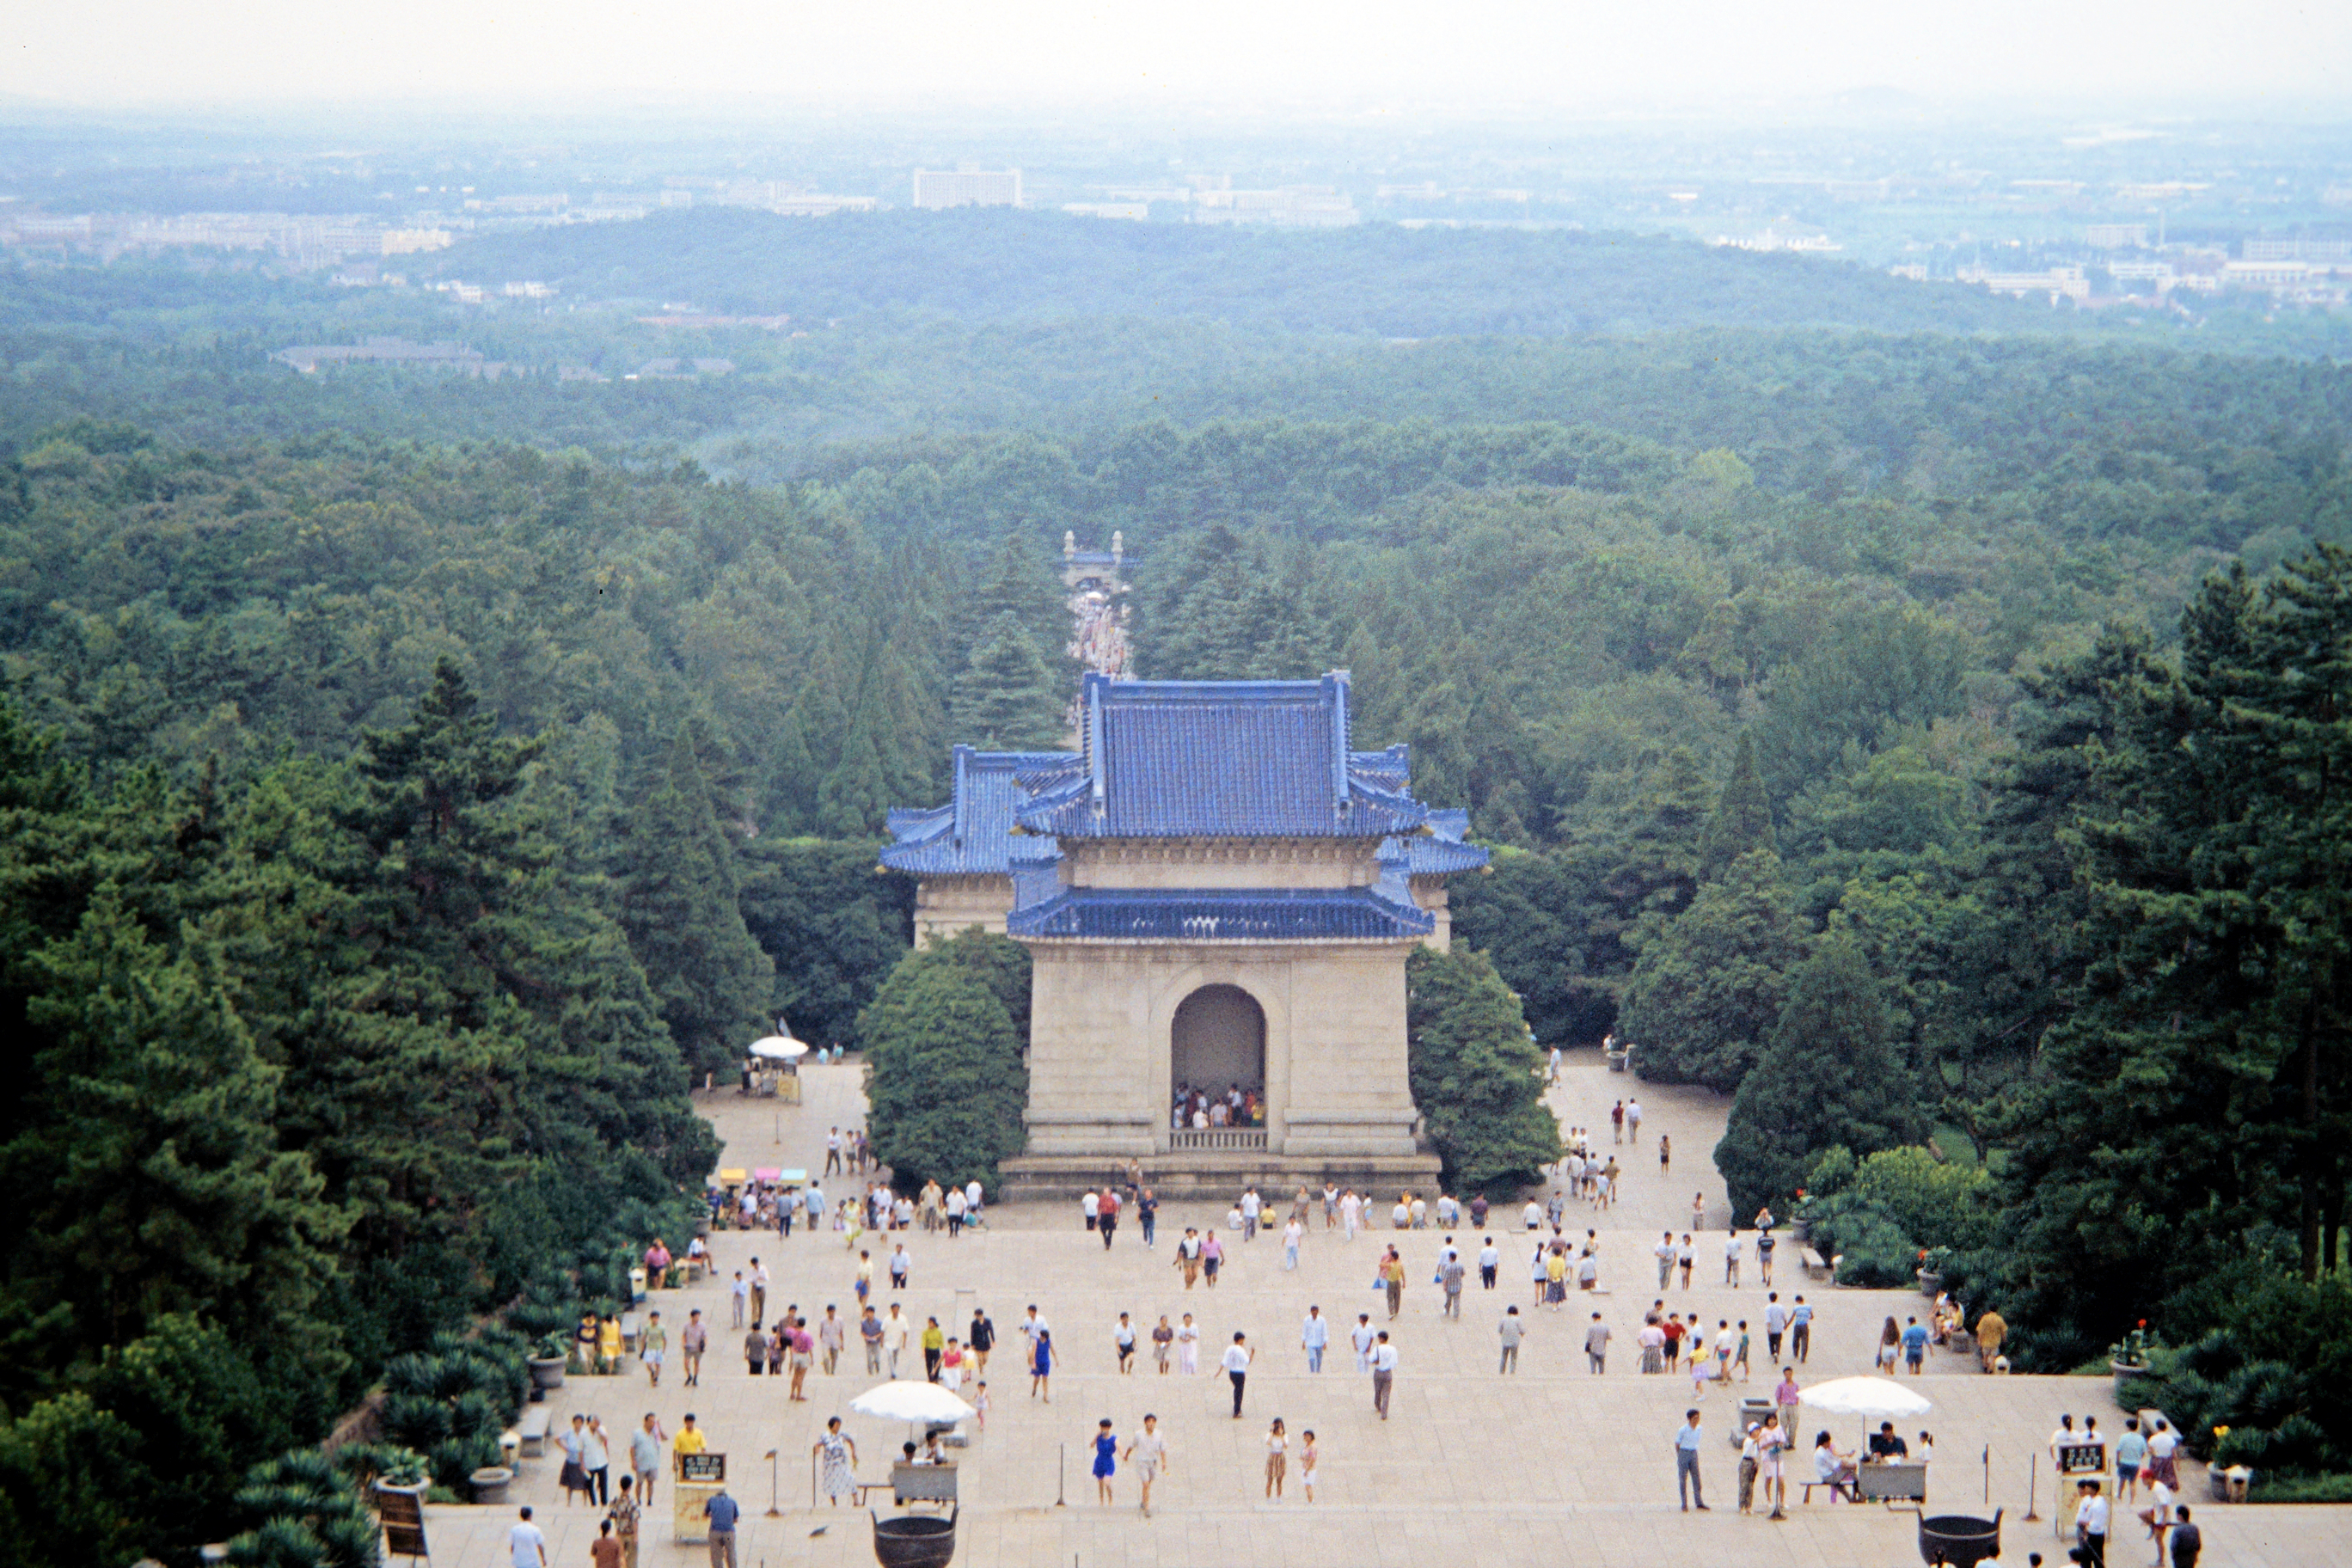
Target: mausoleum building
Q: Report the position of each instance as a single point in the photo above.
(1219, 896)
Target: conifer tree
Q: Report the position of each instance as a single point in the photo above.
(1831, 1076)
(1477, 1073)
(1743, 817)
(1707, 987)
(947, 1085)
(681, 907)
(1005, 699)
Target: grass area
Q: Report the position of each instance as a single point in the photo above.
(2301, 1488)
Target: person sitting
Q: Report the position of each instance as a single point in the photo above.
(1885, 1445)
(1832, 1468)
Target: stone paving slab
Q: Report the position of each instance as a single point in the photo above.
(1551, 1465)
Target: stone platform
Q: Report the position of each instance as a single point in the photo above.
(1219, 1175)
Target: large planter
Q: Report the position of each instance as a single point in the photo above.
(490, 1484)
(1930, 1282)
(2122, 1372)
(547, 1372)
(1800, 1231)
(415, 1490)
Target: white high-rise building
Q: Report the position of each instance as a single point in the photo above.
(967, 187)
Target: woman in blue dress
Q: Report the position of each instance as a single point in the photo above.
(1106, 1461)
(1041, 1368)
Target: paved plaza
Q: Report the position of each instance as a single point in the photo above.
(1549, 1465)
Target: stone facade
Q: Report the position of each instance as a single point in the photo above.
(1218, 894)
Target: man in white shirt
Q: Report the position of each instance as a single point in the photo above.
(1490, 1260)
(1731, 1250)
(1148, 1453)
(1236, 1363)
(1532, 1215)
(2090, 1524)
(527, 1544)
(1666, 1251)
(894, 1336)
(1596, 1347)
(1250, 1209)
(1384, 1365)
(1032, 1327)
(1364, 1337)
(759, 1292)
(971, 1195)
(1687, 1439)
(1633, 1122)
(1314, 1334)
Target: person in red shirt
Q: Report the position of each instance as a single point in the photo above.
(1673, 1326)
(1107, 1217)
(604, 1551)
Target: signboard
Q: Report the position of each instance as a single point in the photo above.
(688, 1523)
(403, 1513)
(701, 1467)
(2082, 1458)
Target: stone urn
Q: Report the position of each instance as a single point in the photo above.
(547, 1372)
(490, 1483)
(1800, 1230)
(1930, 1282)
(2122, 1372)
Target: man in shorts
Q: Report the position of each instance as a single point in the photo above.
(1148, 1453)
(692, 1341)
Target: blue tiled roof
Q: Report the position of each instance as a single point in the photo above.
(1438, 853)
(973, 834)
(1265, 759)
(1243, 915)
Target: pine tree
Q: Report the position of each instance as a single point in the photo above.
(855, 796)
(1005, 699)
(1706, 990)
(1831, 1076)
(1477, 1073)
(679, 905)
(1743, 816)
(946, 1085)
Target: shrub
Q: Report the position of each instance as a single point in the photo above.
(1874, 1254)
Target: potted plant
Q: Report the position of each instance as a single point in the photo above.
(547, 1359)
(1801, 1223)
(2127, 1357)
(489, 1484)
(1931, 1272)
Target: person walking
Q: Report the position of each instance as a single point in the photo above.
(722, 1511)
(1212, 1257)
(1800, 1331)
(1666, 1154)
(1238, 1356)
(1308, 1456)
(980, 1341)
(1188, 1348)
(1731, 1251)
(2187, 1541)
(1291, 1235)
(832, 1338)
(1188, 1256)
(1890, 1340)
(1277, 1458)
(1251, 1206)
(1147, 1214)
(644, 1458)
(1314, 1335)
(1351, 1215)
(1747, 1451)
(1450, 1275)
(1687, 1438)
(1764, 1245)
(1384, 1365)
(1163, 1342)
(1786, 1398)
(934, 1345)
(1106, 1463)
(741, 1292)
(869, 1334)
(1490, 1263)
(526, 1543)
(1148, 1451)
(2090, 1526)
(627, 1520)
(1596, 1347)
(1041, 1367)
(1667, 1252)
(596, 1462)
(1514, 1329)
(1776, 1324)
(1771, 1462)
(1617, 1123)
(837, 1454)
(1122, 1340)
(1393, 1280)
(1633, 1122)
(759, 1292)
(896, 1330)
(692, 1341)
(1363, 1337)
(1107, 1221)
(653, 1348)
(1915, 1346)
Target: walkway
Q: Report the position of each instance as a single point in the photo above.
(1551, 1465)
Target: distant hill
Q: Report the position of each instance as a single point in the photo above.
(1001, 264)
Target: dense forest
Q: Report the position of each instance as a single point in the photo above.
(1935, 742)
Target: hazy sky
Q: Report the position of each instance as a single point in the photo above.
(1465, 54)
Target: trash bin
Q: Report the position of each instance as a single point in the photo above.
(638, 1284)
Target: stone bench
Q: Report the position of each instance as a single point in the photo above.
(1816, 1267)
(1891, 1482)
(533, 1429)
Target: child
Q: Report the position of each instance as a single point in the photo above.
(979, 1404)
(1307, 1462)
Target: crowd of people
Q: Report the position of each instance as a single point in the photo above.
(1198, 1108)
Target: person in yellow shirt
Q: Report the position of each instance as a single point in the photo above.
(689, 1440)
(608, 1344)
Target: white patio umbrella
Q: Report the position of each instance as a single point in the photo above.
(919, 1405)
(779, 1047)
(1871, 1398)
(905, 1399)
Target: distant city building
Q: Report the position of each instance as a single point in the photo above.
(454, 358)
(409, 241)
(2058, 282)
(2116, 236)
(1288, 207)
(936, 189)
(1773, 239)
(2314, 250)
(1133, 212)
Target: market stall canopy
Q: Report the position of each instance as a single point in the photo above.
(779, 1048)
(904, 1399)
(732, 1178)
(1876, 1398)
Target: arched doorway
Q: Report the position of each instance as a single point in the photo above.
(1217, 1043)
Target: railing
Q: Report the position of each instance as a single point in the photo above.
(1189, 1139)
